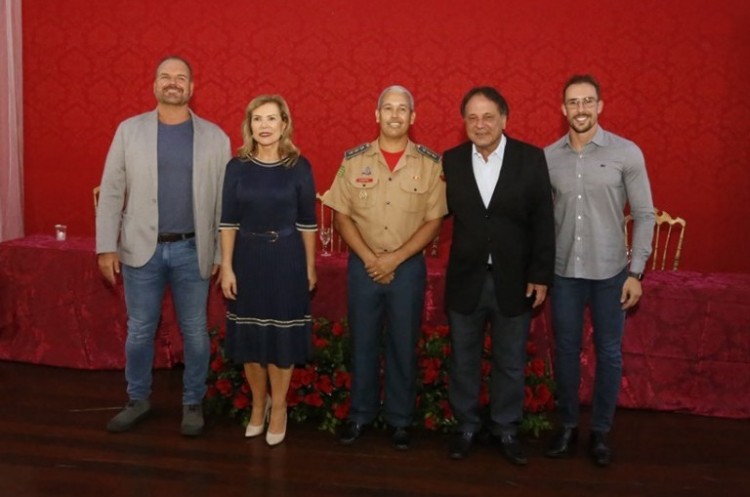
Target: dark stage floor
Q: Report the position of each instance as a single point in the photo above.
(53, 443)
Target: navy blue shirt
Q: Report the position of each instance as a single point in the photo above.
(175, 168)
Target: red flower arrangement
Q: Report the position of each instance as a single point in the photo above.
(320, 390)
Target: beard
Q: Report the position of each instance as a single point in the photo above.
(582, 127)
(179, 97)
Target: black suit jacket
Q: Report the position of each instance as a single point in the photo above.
(517, 228)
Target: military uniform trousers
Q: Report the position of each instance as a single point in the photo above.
(387, 315)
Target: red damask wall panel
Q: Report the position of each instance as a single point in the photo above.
(674, 77)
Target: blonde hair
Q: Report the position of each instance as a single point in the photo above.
(288, 151)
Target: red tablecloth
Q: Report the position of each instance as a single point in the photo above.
(56, 309)
(686, 347)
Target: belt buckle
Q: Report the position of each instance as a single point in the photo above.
(274, 235)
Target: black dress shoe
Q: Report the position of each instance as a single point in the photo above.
(400, 438)
(599, 449)
(459, 446)
(350, 432)
(564, 443)
(511, 449)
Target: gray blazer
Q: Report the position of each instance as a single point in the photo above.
(127, 218)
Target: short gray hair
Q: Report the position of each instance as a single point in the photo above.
(397, 89)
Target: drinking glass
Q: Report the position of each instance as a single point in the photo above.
(325, 241)
(60, 232)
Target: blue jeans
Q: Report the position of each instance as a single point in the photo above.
(175, 264)
(397, 308)
(569, 299)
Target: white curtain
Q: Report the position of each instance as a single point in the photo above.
(11, 121)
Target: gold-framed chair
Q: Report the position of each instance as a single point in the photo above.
(666, 247)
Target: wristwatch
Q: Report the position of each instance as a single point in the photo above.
(638, 276)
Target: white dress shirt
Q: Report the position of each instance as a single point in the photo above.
(486, 173)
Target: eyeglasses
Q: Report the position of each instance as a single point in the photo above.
(587, 102)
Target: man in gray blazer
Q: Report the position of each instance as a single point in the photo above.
(157, 219)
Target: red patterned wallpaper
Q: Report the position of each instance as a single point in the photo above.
(674, 77)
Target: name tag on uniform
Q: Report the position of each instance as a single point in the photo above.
(364, 180)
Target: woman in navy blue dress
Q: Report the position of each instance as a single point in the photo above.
(268, 260)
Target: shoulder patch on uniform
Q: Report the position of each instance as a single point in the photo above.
(428, 152)
(341, 171)
(352, 152)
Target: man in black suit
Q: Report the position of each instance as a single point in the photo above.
(501, 264)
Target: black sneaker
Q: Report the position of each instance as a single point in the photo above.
(400, 438)
(599, 449)
(350, 432)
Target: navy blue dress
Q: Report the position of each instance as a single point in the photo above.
(269, 204)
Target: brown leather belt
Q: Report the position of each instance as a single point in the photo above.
(173, 237)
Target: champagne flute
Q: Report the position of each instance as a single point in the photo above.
(325, 239)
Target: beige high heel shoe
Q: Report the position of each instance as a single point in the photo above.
(276, 438)
(255, 430)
